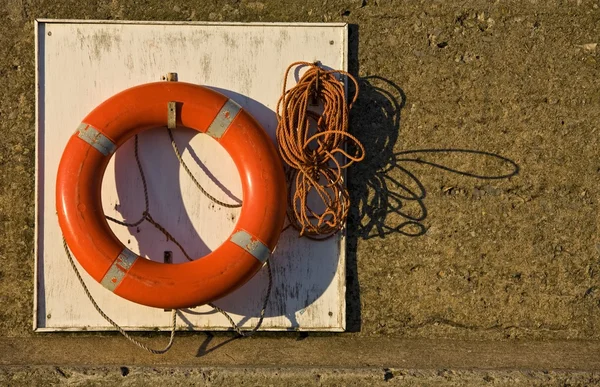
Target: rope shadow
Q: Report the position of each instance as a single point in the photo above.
(385, 184)
(165, 198)
(216, 182)
(375, 121)
(203, 350)
(384, 195)
(386, 192)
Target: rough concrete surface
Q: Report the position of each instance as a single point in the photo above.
(143, 376)
(475, 214)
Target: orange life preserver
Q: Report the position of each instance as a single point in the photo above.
(140, 280)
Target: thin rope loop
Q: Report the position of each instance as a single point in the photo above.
(111, 321)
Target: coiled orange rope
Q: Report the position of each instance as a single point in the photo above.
(312, 134)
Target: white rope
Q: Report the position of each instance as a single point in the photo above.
(114, 324)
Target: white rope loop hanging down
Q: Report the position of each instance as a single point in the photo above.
(111, 321)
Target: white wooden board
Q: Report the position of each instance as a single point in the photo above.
(82, 63)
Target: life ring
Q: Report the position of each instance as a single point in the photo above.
(146, 282)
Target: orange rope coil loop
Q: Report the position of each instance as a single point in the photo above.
(312, 134)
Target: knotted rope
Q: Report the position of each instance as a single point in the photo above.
(312, 134)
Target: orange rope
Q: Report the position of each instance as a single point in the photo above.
(312, 134)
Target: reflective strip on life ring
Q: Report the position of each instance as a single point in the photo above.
(160, 285)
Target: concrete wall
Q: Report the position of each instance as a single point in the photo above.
(499, 243)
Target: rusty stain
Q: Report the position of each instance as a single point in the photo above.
(102, 42)
(257, 41)
(229, 41)
(227, 114)
(284, 35)
(129, 62)
(205, 65)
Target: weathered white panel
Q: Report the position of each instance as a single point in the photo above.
(80, 64)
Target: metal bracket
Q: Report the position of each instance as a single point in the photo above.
(119, 269)
(96, 139)
(172, 106)
(223, 119)
(172, 115)
(252, 245)
(170, 77)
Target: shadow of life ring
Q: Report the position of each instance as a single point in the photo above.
(123, 272)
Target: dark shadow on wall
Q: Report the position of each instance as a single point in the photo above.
(386, 193)
(353, 305)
